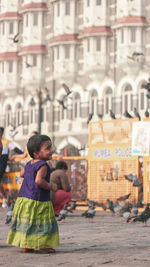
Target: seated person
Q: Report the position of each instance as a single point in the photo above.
(63, 194)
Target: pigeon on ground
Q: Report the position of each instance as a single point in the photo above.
(90, 212)
(63, 213)
(72, 205)
(110, 206)
(134, 209)
(142, 217)
(9, 213)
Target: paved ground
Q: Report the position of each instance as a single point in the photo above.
(108, 241)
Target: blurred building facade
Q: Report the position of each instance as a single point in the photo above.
(100, 49)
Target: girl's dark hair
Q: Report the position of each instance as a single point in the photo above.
(61, 165)
(35, 142)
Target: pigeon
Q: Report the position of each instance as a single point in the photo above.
(133, 178)
(9, 213)
(61, 102)
(63, 213)
(15, 39)
(125, 210)
(90, 213)
(129, 177)
(117, 207)
(142, 217)
(122, 198)
(28, 65)
(127, 114)
(68, 91)
(89, 117)
(73, 206)
(134, 209)
(146, 114)
(112, 115)
(136, 114)
(110, 206)
(100, 116)
(135, 54)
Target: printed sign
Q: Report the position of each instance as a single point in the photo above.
(141, 139)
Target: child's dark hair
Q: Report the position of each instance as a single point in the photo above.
(61, 165)
(35, 142)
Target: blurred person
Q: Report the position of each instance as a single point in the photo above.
(24, 155)
(7, 147)
(63, 195)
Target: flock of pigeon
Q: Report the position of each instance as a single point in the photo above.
(122, 207)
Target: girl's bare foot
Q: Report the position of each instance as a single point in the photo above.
(26, 250)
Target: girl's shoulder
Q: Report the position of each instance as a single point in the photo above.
(36, 164)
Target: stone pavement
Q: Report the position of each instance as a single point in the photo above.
(108, 241)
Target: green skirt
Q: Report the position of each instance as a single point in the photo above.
(33, 224)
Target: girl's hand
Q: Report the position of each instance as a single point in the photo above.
(54, 187)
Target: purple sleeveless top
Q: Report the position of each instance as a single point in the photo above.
(29, 188)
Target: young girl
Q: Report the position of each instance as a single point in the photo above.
(34, 224)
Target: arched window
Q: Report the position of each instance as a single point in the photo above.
(18, 114)
(107, 100)
(93, 102)
(76, 106)
(127, 98)
(143, 101)
(8, 115)
(32, 112)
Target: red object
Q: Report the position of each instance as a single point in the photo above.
(61, 198)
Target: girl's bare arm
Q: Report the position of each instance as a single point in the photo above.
(41, 182)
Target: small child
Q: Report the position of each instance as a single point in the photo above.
(34, 224)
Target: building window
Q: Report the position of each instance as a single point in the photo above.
(11, 28)
(57, 52)
(93, 102)
(67, 51)
(31, 114)
(127, 99)
(122, 36)
(8, 115)
(76, 106)
(58, 9)
(34, 60)
(2, 67)
(98, 2)
(3, 28)
(88, 45)
(67, 8)
(142, 98)
(98, 43)
(18, 114)
(10, 66)
(133, 35)
(108, 100)
(27, 18)
(88, 2)
(35, 19)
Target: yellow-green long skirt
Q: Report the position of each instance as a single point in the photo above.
(33, 224)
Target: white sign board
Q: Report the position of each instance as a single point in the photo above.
(141, 138)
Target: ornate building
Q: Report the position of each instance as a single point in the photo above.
(64, 61)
